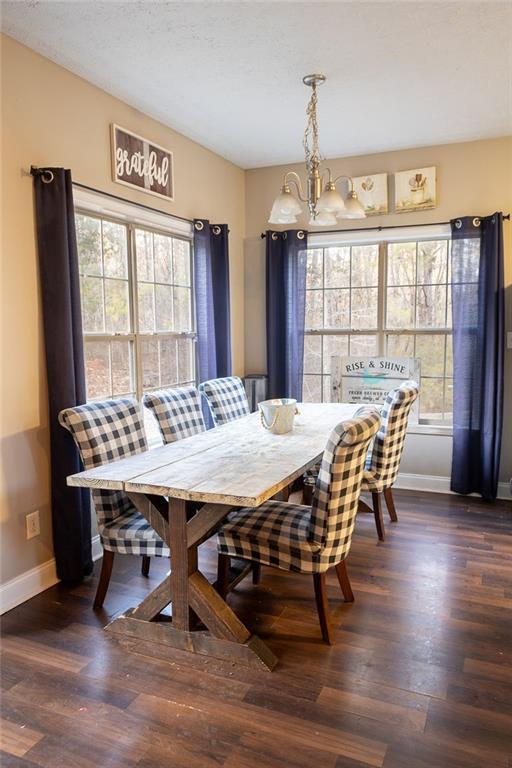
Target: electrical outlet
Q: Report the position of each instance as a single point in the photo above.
(33, 526)
(509, 339)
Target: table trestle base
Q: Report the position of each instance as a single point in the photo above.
(191, 594)
(253, 652)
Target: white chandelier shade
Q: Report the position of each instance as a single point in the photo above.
(330, 201)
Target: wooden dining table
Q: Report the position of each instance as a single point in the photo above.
(184, 490)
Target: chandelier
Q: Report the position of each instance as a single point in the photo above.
(325, 203)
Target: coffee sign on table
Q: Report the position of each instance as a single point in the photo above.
(369, 379)
(140, 163)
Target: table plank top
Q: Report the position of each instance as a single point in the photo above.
(239, 463)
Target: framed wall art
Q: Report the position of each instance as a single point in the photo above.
(140, 163)
(369, 379)
(415, 190)
(372, 191)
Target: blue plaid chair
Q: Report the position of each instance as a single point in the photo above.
(227, 401)
(295, 537)
(226, 398)
(103, 432)
(383, 461)
(177, 411)
(384, 456)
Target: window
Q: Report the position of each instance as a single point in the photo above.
(381, 298)
(137, 307)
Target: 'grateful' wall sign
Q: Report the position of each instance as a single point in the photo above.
(140, 163)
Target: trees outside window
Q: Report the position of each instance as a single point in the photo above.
(137, 308)
(389, 298)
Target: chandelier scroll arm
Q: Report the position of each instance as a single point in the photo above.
(295, 179)
(347, 178)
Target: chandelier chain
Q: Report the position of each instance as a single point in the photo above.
(310, 140)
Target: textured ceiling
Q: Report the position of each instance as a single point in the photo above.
(229, 74)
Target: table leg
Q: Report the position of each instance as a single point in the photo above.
(179, 563)
(190, 593)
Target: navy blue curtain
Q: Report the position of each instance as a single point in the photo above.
(286, 301)
(478, 353)
(62, 322)
(211, 289)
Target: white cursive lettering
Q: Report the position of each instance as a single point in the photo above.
(144, 167)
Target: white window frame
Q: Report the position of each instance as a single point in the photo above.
(136, 217)
(382, 238)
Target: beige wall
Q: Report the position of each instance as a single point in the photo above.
(472, 178)
(52, 117)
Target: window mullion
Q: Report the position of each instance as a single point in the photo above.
(322, 336)
(381, 298)
(134, 310)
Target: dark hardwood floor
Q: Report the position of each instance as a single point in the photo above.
(420, 676)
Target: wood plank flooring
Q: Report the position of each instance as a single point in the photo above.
(420, 676)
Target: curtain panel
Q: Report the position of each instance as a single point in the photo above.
(478, 300)
(212, 302)
(286, 261)
(62, 323)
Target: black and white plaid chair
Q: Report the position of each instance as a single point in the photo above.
(103, 432)
(295, 537)
(226, 398)
(177, 411)
(383, 460)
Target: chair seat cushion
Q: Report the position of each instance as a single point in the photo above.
(273, 534)
(131, 534)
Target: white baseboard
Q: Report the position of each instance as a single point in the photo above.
(31, 583)
(27, 585)
(97, 549)
(438, 484)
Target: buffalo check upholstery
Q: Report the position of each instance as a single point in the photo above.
(177, 411)
(226, 398)
(103, 432)
(383, 461)
(295, 537)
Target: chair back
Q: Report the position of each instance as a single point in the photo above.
(226, 398)
(384, 460)
(177, 411)
(103, 432)
(338, 486)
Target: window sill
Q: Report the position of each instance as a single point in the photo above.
(430, 429)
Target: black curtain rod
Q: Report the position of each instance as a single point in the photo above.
(35, 171)
(506, 217)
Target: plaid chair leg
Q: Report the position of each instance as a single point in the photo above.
(307, 494)
(106, 571)
(223, 563)
(223, 584)
(377, 511)
(146, 560)
(346, 588)
(390, 503)
(322, 606)
(256, 573)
